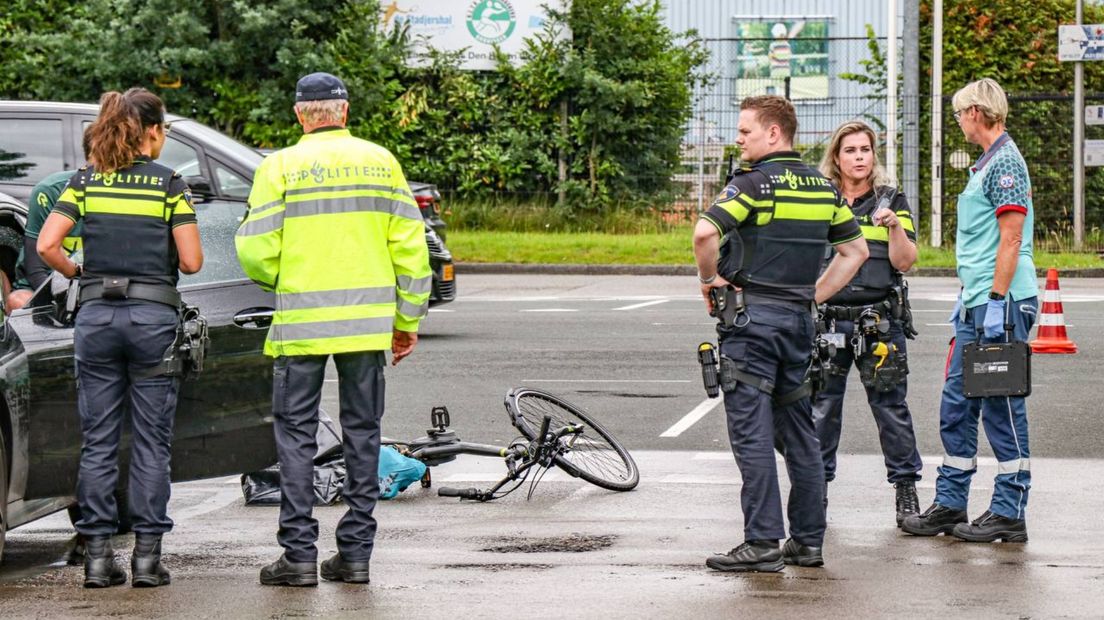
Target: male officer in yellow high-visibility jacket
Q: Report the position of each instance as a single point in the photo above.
(334, 230)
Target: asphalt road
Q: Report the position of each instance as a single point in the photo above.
(623, 347)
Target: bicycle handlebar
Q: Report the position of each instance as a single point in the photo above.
(470, 493)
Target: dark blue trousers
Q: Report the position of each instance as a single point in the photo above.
(112, 341)
(891, 414)
(775, 345)
(296, 394)
(1004, 418)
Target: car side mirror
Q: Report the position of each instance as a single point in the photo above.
(201, 188)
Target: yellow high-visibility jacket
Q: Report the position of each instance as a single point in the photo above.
(333, 229)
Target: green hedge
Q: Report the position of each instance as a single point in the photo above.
(624, 79)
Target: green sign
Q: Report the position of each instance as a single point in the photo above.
(491, 21)
(771, 50)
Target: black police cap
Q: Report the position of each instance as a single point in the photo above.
(318, 86)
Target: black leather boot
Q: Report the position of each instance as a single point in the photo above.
(991, 527)
(908, 503)
(285, 573)
(145, 563)
(935, 520)
(100, 568)
(337, 569)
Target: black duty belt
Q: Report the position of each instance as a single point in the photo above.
(753, 299)
(160, 293)
(852, 313)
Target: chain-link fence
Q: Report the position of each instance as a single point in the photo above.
(1040, 124)
(811, 72)
(1042, 127)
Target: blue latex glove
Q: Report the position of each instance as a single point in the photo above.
(953, 319)
(994, 318)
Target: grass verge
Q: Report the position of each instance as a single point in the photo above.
(665, 248)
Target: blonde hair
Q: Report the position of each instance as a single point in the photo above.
(828, 165)
(987, 96)
(323, 112)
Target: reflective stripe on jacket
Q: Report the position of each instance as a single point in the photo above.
(333, 229)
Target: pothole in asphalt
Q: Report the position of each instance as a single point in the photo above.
(574, 543)
(495, 568)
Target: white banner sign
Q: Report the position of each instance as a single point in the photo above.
(474, 26)
(1078, 43)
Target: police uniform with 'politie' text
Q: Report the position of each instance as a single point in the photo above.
(870, 300)
(127, 320)
(783, 213)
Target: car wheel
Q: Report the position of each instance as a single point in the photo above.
(120, 503)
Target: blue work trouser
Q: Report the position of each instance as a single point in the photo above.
(296, 394)
(114, 341)
(891, 412)
(1005, 420)
(775, 345)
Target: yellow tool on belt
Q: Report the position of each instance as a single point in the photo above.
(881, 351)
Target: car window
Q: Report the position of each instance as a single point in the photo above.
(180, 157)
(30, 149)
(230, 183)
(218, 221)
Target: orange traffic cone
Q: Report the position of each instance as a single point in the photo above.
(1051, 337)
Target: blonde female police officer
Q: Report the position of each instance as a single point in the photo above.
(139, 233)
(851, 162)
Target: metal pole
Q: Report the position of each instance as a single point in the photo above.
(701, 165)
(910, 156)
(891, 93)
(937, 126)
(1078, 148)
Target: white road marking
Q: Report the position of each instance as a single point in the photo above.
(692, 418)
(644, 304)
(440, 310)
(686, 324)
(606, 381)
(550, 310)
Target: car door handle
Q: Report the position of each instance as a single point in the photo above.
(254, 318)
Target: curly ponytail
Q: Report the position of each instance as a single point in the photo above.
(116, 135)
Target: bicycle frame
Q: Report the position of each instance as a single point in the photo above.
(441, 445)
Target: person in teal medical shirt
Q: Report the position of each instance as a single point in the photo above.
(999, 291)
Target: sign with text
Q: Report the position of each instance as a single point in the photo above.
(1094, 152)
(471, 27)
(1094, 115)
(1084, 42)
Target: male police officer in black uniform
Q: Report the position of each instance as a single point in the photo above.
(785, 213)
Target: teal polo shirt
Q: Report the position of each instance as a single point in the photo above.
(998, 184)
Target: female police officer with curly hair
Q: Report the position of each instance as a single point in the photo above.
(139, 233)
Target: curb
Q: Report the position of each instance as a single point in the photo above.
(690, 270)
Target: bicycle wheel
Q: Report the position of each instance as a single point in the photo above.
(593, 455)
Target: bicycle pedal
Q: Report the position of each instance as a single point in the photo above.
(439, 418)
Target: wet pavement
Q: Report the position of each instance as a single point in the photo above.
(575, 550)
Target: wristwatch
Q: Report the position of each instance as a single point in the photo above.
(707, 280)
(995, 296)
